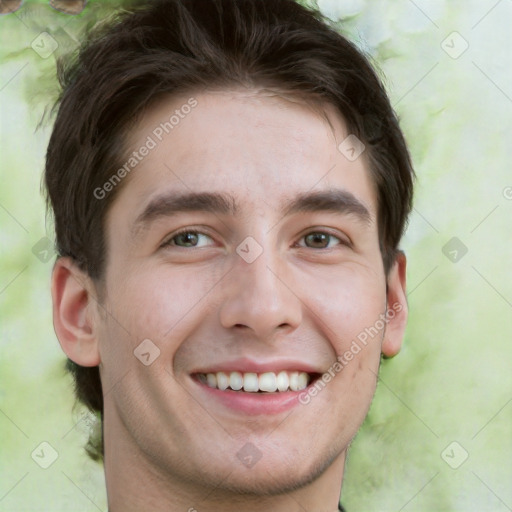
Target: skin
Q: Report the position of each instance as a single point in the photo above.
(168, 444)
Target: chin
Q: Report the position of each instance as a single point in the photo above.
(274, 478)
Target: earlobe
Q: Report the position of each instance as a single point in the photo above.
(397, 310)
(73, 318)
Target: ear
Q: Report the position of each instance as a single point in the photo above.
(397, 310)
(73, 308)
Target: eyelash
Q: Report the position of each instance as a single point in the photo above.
(168, 243)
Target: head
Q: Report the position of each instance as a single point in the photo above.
(275, 140)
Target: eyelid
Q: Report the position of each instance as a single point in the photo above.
(337, 233)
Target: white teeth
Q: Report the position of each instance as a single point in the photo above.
(294, 381)
(283, 382)
(222, 381)
(268, 382)
(236, 381)
(303, 380)
(251, 382)
(211, 380)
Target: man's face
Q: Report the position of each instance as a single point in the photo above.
(265, 290)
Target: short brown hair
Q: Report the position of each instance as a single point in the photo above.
(174, 46)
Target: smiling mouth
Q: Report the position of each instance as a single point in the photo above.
(249, 382)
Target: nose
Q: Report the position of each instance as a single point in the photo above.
(259, 298)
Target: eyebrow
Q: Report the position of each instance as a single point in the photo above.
(173, 203)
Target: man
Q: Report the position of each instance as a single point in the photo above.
(230, 186)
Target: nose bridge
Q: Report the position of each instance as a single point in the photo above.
(261, 277)
(257, 297)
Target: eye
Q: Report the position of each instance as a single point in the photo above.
(189, 237)
(321, 240)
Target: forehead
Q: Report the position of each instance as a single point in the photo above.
(259, 146)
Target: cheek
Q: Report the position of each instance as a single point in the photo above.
(347, 302)
(149, 312)
(159, 303)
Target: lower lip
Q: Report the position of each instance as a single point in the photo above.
(254, 403)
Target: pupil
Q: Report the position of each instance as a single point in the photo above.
(189, 237)
(318, 238)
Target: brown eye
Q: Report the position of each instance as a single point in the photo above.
(186, 238)
(321, 240)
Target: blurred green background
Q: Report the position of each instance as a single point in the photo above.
(439, 433)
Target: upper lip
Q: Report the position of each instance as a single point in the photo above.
(246, 365)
